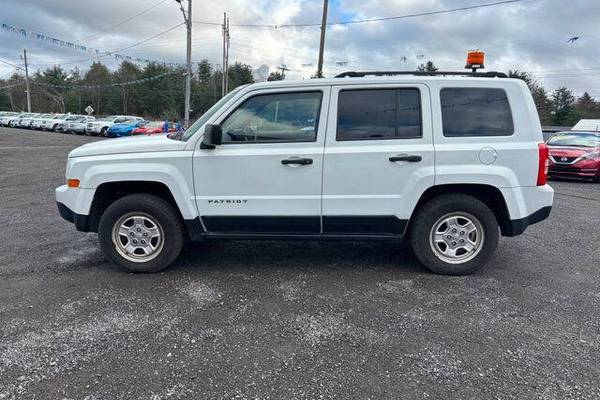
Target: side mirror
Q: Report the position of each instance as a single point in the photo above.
(212, 136)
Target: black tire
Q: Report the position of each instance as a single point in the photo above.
(160, 210)
(433, 211)
(104, 132)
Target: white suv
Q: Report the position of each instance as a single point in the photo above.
(448, 162)
(50, 124)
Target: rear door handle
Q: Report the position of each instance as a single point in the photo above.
(297, 161)
(406, 157)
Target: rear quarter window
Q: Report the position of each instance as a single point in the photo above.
(475, 112)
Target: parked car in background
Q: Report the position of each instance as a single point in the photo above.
(154, 127)
(51, 123)
(36, 123)
(575, 155)
(124, 128)
(62, 126)
(588, 125)
(16, 120)
(100, 126)
(25, 122)
(77, 124)
(6, 116)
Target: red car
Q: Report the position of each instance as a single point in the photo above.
(154, 127)
(575, 154)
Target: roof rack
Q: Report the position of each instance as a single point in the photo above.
(360, 74)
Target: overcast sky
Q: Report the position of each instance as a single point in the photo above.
(531, 35)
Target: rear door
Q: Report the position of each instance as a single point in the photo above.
(266, 177)
(379, 158)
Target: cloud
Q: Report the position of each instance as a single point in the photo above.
(531, 35)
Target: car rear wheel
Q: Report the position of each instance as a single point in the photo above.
(141, 232)
(104, 132)
(454, 234)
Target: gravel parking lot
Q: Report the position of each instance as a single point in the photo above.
(288, 320)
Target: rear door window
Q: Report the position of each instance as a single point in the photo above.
(378, 114)
(475, 112)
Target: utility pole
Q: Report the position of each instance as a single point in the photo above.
(188, 74)
(225, 26)
(322, 44)
(188, 78)
(27, 81)
(227, 60)
(283, 68)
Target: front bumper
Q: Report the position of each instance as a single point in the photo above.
(94, 129)
(74, 206)
(82, 222)
(573, 172)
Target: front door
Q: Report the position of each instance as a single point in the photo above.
(379, 158)
(265, 179)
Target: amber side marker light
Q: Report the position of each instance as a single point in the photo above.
(475, 60)
(73, 183)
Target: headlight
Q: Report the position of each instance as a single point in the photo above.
(592, 155)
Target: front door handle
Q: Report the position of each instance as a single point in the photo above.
(297, 161)
(406, 157)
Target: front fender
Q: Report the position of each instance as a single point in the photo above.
(173, 169)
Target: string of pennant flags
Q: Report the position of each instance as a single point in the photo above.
(28, 34)
(135, 82)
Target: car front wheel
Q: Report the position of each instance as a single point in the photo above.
(141, 232)
(454, 234)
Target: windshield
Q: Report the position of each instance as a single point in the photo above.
(207, 115)
(571, 139)
(59, 116)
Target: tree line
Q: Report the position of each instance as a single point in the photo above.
(58, 90)
(560, 108)
(158, 91)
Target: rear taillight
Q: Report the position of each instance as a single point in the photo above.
(544, 162)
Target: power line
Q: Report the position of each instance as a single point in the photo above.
(414, 15)
(368, 20)
(12, 65)
(126, 19)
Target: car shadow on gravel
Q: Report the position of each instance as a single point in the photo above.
(297, 255)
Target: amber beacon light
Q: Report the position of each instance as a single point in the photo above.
(475, 60)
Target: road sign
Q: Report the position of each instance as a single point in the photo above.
(89, 110)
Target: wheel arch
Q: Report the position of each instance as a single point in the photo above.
(108, 192)
(489, 195)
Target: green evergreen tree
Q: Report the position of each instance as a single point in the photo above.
(429, 66)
